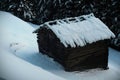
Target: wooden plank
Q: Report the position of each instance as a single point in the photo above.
(90, 56)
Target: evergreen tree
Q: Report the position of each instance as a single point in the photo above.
(40, 11)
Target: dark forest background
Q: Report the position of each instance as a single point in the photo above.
(40, 11)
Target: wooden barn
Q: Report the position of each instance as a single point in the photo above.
(77, 43)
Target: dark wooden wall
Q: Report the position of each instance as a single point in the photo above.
(93, 55)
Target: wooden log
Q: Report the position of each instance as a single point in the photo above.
(93, 55)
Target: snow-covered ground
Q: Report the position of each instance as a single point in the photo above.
(21, 60)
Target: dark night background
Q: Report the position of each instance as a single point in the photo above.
(40, 11)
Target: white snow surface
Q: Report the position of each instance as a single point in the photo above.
(21, 60)
(16, 38)
(80, 33)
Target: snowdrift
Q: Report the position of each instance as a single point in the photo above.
(19, 58)
(17, 38)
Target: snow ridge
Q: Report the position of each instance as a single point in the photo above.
(80, 30)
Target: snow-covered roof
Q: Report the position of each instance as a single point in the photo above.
(79, 31)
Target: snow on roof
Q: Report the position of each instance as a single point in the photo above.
(79, 31)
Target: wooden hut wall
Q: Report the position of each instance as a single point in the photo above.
(93, 55)
(49, 43)
(42, 40)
